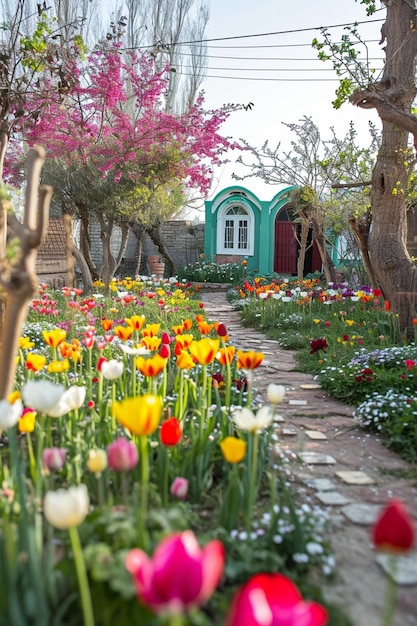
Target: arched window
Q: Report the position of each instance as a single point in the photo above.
(234, 231)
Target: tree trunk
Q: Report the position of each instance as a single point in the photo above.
(305, 227)
(85, 244)
(392, 97)
(328, 265)
(137, 231)
(155, 234)
(125, 228)
(360, 229)
(88, 285)
(109, 263)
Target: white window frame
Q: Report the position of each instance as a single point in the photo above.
(223, 216)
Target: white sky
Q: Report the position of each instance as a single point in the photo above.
(284, 100)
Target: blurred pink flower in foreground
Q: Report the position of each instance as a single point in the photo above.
(179, 576)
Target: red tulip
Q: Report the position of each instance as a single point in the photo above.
(171, 432)
(394, 529)
(273, 600)
(179, 576)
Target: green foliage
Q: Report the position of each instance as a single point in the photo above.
(205, 271)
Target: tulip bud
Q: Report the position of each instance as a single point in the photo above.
(122, 455)
(171, 432)
(53, 458)
(394, 529)
(179, 487)
(221, 330)
(97, 461)
(275, 393)
(165, 339)
(164, 351)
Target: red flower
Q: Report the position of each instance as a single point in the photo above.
(318, 344)
(273, 600)
(394, 530)
(409, 363)
(171, 432)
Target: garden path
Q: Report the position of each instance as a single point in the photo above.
(338, 465)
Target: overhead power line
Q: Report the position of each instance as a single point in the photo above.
(268, 34)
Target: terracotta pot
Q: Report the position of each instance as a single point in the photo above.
(156, 266)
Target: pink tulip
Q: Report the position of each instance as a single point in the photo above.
(273, 600)
(122, 455)
(179, 576)
(179, 487)
(53, 458)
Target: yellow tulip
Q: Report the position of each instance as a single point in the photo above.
(25, 343)
(205, 350)
(151, 343)
(140, 415)
(123, 332)
(185, 361)
(35, 362)
(54, 337)
(136, 321)
(151, 330)
(26, 423)
(233, 449)
(97, 461)
(56, 367)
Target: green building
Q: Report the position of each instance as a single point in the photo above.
(240, 226)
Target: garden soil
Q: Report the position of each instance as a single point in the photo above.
(325, 442)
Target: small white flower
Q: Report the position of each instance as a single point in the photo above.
(10, 413)
(135, 351)
(66, 508)
(41, 395)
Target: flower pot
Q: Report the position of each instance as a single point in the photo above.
(156, 266)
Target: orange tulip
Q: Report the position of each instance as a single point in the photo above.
(187, 324)
(205, 328)
(225, 355)
(205, 350)
(249, 360)
(106, 324)
(152, 366)
(123, 332)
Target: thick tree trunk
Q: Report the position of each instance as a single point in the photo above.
(84, 269)
(393, 98)
(109, 263)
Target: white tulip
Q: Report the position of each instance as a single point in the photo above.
(112, 369)
(10, 413)
(41, 395)
(72, 399)
(66, 508)
(245, 419)
(275, 393)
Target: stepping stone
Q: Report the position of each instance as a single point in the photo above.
(361, 513)
(310, 386)
(278, 418)
(315, 434)
(316, 458)
(332, 497)
(288, 432)
(321, 484)
(406, 568)
(352, 477)
(297, 402)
